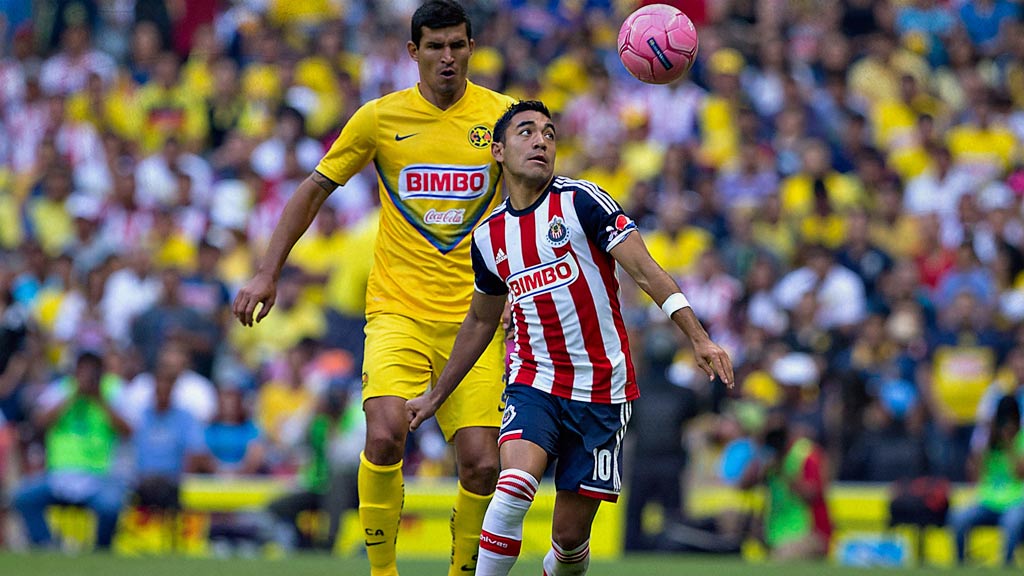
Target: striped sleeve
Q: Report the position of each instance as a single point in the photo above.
(485, 281)
(601, 217)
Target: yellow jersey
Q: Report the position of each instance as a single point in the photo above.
(437, 181)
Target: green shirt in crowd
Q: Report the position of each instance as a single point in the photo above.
(83, 438)
(999, 487)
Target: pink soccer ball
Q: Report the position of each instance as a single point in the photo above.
(657, 44)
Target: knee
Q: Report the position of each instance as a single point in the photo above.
(384, 444)
(108, 505)
(570, 537)
(960, 520)
(1013, 520)
(29, 496)
(479, 474)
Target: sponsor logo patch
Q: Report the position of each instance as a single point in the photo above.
(449, 216)
(443, 182)
(544, 278)
(622, 224)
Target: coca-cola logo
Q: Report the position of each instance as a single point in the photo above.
(449, 216)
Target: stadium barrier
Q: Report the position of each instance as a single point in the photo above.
(860, 514)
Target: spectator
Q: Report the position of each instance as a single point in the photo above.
(233, 441)
(838, 291)
(797, 525)
(168, 442)
(170, 319)
(287, 401)
(328, 479)
(82, 423)
(192, 393)
(893, 446)
(289, 132)
(999, 467)
(659, 455)
(129, 292)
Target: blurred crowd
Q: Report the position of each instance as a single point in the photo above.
(837, 186)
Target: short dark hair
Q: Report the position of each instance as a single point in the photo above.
(522, 106)
(438, 14)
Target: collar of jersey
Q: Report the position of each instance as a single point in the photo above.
(531, 207)
(433, 106)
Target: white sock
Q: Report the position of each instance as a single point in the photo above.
(502, 534)
(560, 562)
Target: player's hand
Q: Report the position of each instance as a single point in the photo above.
(712, 359)
(419, 409)
(262, 289)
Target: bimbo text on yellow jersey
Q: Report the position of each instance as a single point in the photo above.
(437, 182)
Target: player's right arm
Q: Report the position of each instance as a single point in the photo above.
(297, 216)
(475, 334)
(351, 151)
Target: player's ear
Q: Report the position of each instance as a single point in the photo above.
(498, 151)
(413, 51)
(472, 46)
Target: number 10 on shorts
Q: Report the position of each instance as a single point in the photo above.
(602, 465)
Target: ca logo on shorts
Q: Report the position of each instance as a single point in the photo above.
(508, 416)
(480, 136)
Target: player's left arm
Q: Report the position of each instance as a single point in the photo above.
(631, 253)
(606, 225)
(474, 336)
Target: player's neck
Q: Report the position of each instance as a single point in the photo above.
(522, 193)
(441, 100)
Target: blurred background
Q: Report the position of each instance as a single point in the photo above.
(837, 186)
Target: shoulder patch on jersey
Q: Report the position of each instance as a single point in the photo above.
(480, 136)
(622, 224)
(558, 233)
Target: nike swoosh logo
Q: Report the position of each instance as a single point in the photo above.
(400, 138)
(368, 543)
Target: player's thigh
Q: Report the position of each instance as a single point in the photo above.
(590, 449)
(573, 517)
(530, 415)
(396, 361)
(477, 401)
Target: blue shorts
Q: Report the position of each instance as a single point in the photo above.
(586, 438)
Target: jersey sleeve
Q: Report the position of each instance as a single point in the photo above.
(602, 218)
(353, 148)
(485, 281)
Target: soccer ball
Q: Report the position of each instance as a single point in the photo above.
(657, 44)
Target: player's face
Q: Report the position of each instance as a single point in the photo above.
(528, 151)
(443, 59)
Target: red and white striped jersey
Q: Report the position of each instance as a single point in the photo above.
(552, 261)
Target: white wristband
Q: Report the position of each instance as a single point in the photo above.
(674, 303)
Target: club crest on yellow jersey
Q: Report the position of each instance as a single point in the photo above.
(480, 136)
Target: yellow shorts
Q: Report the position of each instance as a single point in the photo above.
(405, 356)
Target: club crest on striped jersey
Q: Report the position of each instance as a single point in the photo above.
(557, 234)
(508, 415)
(543, 278)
